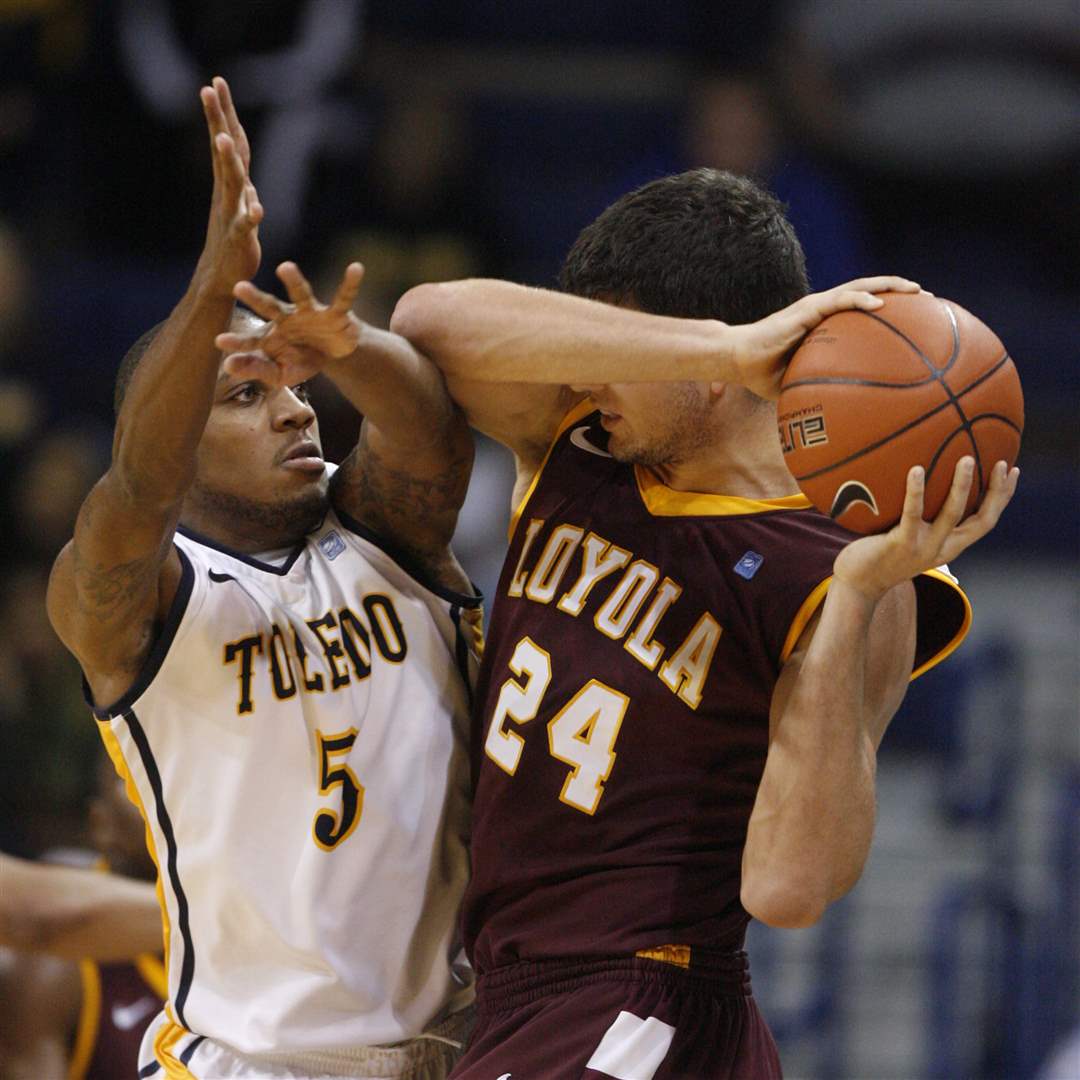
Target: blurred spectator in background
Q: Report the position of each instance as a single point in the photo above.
(63, 1012)
(731, 121)
(958, 122)
(43, 725)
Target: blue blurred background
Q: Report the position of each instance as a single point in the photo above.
(938, 139)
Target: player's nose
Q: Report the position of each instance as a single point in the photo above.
(292, 410)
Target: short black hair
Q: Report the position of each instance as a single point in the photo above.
(704, 244)
(133, 357)
(130, 363)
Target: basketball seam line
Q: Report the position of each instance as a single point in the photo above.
(914, 423)
(935, 374)
(939, 375)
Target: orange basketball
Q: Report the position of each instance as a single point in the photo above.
(869, 394)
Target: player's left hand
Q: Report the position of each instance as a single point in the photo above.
(300, 336)
(874, 564)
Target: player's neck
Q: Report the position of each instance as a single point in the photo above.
(744, 461)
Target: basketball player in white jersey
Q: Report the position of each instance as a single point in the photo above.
(278, 659)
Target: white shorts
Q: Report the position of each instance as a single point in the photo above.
(431, 1056)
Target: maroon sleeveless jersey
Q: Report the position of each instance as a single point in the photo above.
(623, 702)
(118, 1002)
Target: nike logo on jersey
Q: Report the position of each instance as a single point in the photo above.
(580, 440)
(219, 578)
(125, 1017)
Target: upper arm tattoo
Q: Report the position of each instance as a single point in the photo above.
(417, 512)
(106, 593)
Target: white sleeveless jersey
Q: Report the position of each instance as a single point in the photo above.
(297, 741)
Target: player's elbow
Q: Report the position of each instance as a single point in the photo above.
(421, 316)
(784, 905)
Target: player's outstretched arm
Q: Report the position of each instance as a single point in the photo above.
(481, 332)
(75, 913)
(118, 574)
(40, 1002)
(813, 818)
(407, 477)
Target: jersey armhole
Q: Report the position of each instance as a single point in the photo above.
(577, 412)
(158, 651)
(943, 618)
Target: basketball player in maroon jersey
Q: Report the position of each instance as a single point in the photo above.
(85, 976)
(688, 669)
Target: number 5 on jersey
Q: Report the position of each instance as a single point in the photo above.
(581, 734)
(329, 828)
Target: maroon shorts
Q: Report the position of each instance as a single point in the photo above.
(628, 1018)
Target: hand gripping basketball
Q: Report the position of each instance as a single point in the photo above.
(874, 564)
(869, 394)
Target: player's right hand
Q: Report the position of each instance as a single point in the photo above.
(231, 252)
(763, 348)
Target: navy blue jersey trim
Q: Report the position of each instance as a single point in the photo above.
(190, 1049)
(267, 568)
(187, 965)
(159, 650)
(409, 565)
(149, 1070)
(461, 654)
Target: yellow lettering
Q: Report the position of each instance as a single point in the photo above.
(517, 583)
(599, 559)
(639, 645)
(686, 671)
(552, 563)
(619, 610)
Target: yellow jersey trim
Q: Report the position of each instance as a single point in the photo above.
(663, 501)
(152, 970)
(581, 409)
(805, 613)
(169, 1034)
(678, 955)
(89, 1017)
(817, 596)
(951, 582)
(117, 756)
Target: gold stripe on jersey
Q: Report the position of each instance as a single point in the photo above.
(580, 410)
(679, 955)
(802, 617)
(168, 1035)
(153, 974)
(663, 501)
(951, 646)
(811, 604)
(89, 1017)
(132, 792)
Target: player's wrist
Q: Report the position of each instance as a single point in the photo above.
(858, 591)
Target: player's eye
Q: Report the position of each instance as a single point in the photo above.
(245, 394)
(302, 391)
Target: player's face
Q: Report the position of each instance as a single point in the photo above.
(260, 461)
(663, 423)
